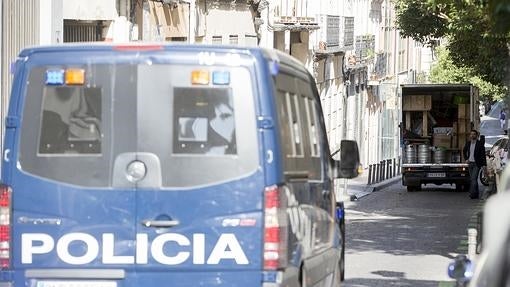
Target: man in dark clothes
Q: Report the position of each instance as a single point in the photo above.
(474, 154)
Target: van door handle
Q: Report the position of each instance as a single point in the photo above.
(160, 223)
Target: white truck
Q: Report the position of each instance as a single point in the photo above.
(436, 122)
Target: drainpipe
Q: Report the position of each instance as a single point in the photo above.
(267, 27)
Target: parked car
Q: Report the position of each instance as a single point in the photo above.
(496, 161)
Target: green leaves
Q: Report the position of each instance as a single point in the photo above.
(417, 21)
(446, 71)
(476, 33)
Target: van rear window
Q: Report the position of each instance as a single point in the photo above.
(71, 121)
(76, 133)
(204, 119)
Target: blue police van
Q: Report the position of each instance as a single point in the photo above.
(148, 165)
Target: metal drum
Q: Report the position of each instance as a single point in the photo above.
(440, 156)
(411, 154)
(424, 153)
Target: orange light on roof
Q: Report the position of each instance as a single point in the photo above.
(75, 77)
(200, 77)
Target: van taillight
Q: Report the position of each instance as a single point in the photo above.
(275, 228)
(5, 226)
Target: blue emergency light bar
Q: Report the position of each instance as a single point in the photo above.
(55, 77)
(221, 78)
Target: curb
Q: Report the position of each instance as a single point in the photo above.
(358, 191)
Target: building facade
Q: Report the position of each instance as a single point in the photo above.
(351, 47)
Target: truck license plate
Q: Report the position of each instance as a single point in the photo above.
(436, 174)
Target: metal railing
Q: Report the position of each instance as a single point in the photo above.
(383, 170)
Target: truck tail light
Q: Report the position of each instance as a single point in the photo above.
(5, 226)
(275, 228)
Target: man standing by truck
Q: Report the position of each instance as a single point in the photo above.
(474, 154)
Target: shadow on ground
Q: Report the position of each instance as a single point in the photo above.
(362, 282)
(428, 222)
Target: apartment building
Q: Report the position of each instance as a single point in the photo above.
(350, 46)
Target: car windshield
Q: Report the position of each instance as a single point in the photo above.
(74, 133)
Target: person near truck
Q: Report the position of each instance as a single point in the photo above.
(474, 154)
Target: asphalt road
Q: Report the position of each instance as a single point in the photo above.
(397, 238)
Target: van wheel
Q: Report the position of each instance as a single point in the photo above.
(411, 188)
(303, 277)
(342, 254)
(342, 266)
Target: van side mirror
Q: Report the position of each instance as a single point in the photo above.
(347, 166)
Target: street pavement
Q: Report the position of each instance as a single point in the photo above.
(400, 238)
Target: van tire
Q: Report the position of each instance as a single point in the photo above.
(302, 277)
(411, 188)
(342, 254)
(342, 266)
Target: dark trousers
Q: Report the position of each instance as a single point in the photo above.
(473, 174)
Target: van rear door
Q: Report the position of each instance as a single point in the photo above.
(199, 208)
(71, 209)
(147, 170)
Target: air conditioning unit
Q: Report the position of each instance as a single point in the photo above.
(347, 33)
(329, 32)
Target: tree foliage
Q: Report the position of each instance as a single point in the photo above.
(475, 36)
(430, 26)
(446, 71)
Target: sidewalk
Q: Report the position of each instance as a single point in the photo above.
(358, 187)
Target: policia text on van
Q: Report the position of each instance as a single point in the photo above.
(168, 165)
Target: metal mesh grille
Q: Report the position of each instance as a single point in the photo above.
(78, 31)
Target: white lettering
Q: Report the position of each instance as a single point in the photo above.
(142, 247)
(109, 256)
(91, 249)
(28, 248)
(83, 248)
(198, 248)
(158, 244)
(227, 247)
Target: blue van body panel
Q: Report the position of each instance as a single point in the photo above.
(231, 208)
(225, 218)
(272, 163)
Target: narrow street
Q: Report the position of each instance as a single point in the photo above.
(400, 238)
(397, 238)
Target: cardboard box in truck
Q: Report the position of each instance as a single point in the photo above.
(444, 118)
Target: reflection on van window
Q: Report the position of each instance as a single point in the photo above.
(204, 121)
(71, 121)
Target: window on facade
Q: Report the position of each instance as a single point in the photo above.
(217, 40)
(233, 40)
